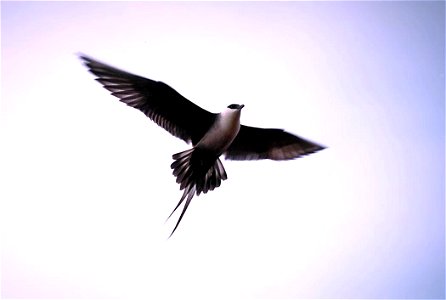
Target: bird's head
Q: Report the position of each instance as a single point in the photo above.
(236, 106)
(232, 111)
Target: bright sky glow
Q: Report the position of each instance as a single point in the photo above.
(86, 183)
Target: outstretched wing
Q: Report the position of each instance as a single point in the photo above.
(254, 143)
(161, 103)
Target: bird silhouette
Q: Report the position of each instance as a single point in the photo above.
(198, 169)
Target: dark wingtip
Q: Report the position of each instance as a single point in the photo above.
(85, 58)
(320, 148)
(88, 60)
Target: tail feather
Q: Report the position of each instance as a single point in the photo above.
(183, 173)
(208, 182)
(179, 166)
(197, 172)
(180, 160)
(189, 192)
(221, 170)
(179, 203)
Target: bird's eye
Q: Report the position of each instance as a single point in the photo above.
(233, 106)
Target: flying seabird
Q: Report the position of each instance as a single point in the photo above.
(198, 169)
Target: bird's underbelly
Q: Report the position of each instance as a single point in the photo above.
(219, 137)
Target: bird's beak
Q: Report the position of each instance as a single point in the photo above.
(241, 106)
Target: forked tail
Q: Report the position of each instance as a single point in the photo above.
(196, 171)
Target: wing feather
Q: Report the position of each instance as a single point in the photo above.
(158, 101)
(254, 143)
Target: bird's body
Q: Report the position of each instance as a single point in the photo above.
(224, 130)
(199, 169)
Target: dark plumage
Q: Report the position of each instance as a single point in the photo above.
(199, 169)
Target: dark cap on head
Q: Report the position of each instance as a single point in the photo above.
(236, 106)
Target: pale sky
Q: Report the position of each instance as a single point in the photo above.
(87, 184)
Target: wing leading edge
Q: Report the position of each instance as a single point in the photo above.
(158, 101)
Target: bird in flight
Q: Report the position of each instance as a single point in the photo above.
(198, 169)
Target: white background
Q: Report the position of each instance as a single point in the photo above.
(86, 183)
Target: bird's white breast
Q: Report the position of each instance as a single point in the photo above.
(222, 133)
